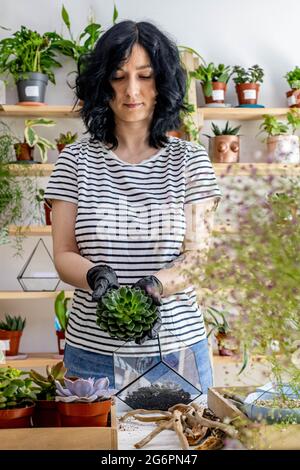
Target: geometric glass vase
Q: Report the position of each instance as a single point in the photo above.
(38, 273)
(157, 380)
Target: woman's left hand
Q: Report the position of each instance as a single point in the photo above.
(152, 287)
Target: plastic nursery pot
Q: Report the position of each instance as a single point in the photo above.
(16, 417)
(33, 89)
(24, 152)
(61, 341)
(14, 341)
(247, 92)
(218, 93)
(45, 414)
(293, 98)
(84, 414)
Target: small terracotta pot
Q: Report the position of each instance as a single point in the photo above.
(60, 147)
(293, 98)
(247, 92)
(16, 417)
(176, 133)
(45, 414)
(14, 338)
(84, 414)
(218, 93)
(61, 338)
(48, 213)
(24, 152)
(224, 149)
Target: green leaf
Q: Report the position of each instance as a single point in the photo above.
(65, 17)
(31, 136)
(115, 14)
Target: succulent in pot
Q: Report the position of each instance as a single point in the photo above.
(247, 83)
(84, 402)
(214, 81)
(293, 79)
(65, 139)
(126, 313)
(224, 146)
(11, 329)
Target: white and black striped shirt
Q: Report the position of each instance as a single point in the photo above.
(131, 217)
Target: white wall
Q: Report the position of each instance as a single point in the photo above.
(230, 32)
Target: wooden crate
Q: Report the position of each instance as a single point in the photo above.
(259, 436)
(88, 438)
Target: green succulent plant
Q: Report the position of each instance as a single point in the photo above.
(15, 391)
(126, 313)
(226, 131)
(13, 323)
(67, 138)
(46, 384)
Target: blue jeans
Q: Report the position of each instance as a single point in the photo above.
(85, 364)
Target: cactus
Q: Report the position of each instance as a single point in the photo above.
(126, 313)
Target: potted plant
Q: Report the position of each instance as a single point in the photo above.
(282, 144)
(61, 319)
(293, 96)
(17, 397)
(247, 83)
(216, 319)
(255, 270)
(45, 412)
(214, 81)
(224, 146)
(47, 210)
(30, 58)
(84, 402)
(24, 150)
(11, 329)
(65, 139)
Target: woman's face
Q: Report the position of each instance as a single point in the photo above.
(134, 87)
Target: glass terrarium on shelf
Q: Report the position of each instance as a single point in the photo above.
(157, 380)
(38, 273)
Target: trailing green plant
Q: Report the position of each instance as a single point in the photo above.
(253, 74)
(126, 313)
(61, 310)
(75, 47)
(67, 138)
(227, 130)
(46, 384)
(29, 51)
(272, 126)
(254, 269)
(32, 138)
(207, 74)
(15, 391)
(13, 323)
(293, 78)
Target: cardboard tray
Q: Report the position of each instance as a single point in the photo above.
(259, 436)
(87, 438)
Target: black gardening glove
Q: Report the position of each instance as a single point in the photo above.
(154, 289)
(100, 278)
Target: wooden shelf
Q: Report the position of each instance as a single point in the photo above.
(239, 114)
(33, 360)
(21, 295)
(237, 169)
(61, 111)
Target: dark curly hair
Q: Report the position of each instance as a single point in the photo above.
(96, 69)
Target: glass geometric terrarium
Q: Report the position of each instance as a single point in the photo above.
(38, 273)
(157, 380)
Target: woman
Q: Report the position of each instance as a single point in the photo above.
(131, 206)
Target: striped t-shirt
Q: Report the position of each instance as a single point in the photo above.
(132, 218)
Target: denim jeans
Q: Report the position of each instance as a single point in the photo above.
(85, 364)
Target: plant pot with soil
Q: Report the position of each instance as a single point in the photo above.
(224, 146)
(11, 329)
(17, 397)
(247, 83)
(282, 144)
(293, 96)
(216, 319)
(84, 402)
(30, 58)
(45, 412)
(24, 150)
(65, 139)
(214, 81)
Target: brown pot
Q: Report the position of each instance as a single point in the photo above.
(61, 339)
(14, 341)
(227, 344)
(84, 414)
(247, 92)
(48, 214)
(218, 93)
(16, 417)
(224, 148)
(24, 152)
(60, 147)
(293, 98)
(174, 133)
(46, 415)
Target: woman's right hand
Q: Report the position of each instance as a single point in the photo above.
(100, 278)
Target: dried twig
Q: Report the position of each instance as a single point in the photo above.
(132, 413)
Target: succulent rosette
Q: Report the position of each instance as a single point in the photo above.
(83, 390)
